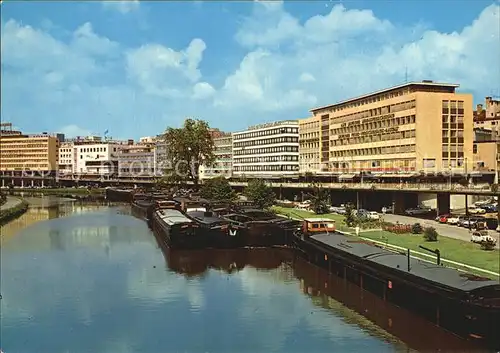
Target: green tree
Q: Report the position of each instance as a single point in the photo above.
(259, 193)
(217, 189)
(188, 148)
(350, 219)
(319, 199)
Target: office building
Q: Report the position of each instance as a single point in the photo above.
(411, 128)
(309, 147)
(30, 154)
(161, 163)
(267, 150)
(96, 158)
(136, 159)
(223, 164)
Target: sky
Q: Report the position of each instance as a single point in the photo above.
(136, 67)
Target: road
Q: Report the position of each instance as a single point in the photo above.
(11, 202)
(446, 230)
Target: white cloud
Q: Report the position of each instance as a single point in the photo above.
(122, 6)
(74, 130)
(289, 66)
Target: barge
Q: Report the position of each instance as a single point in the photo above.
(465, 304)
(173, 229)
(119, 195)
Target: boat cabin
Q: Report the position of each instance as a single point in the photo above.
(318, 225)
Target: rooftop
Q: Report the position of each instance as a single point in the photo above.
(270, 125)
(425, 83)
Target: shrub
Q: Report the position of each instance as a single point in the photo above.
(430, 234)
(488, 244)
(417, 228)
(349, 219)
(12, 213)
(396, 228)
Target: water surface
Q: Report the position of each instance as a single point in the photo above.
(96, 281)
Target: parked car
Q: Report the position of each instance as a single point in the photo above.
(491, 208)
(453, 220)
(443, 218)
(362, 213)
(417, 211)
(482, 235)
(373, 215)
(476, 210)
(388, 209)
(474, 223)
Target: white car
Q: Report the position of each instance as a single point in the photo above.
(373, 215)
(453, 220)
(478, 237)
(476, 210)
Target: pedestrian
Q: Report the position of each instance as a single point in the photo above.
(357, 230)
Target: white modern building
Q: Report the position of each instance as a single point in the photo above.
(96, 158)
(269, 150)
(223, 164)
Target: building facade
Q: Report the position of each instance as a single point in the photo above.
(97, 158)
(67, 158)
(267, 150)
(136, 159)
(21, 153)
(411, 128)
(223, 164)
(309, 145)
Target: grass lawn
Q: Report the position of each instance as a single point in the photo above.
(63, 191)
(451, 249)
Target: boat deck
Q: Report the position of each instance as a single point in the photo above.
(172, 217)
(432, 272)
(206, 219)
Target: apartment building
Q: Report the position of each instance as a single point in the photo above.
(137, 159)
(223, 164)
(267, 150)
(309, 143)
(27, 153)
(411, 128)
(161, 163)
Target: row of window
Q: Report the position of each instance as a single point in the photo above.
(374, 151)
(270, 132)
(369, 113)
(375, 138)
(268, 141)
(380, 124)
(267, 159)
(266, 168)
(266, 150)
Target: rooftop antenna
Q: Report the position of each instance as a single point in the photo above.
(406, 74)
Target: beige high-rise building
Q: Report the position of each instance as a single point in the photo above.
(223, 164)
(411, 128)
(28, 153)
(309, 145)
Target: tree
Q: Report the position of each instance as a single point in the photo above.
(217, 189)
(349, 219)
(319, 199)
(188, 147)
(259, 193)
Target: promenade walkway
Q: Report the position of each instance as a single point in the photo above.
(11, 202)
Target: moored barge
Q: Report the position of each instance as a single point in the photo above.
(173, 229)
(464, 304)
(119, 195)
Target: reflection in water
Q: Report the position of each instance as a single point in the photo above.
(97, 282)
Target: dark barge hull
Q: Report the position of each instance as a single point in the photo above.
(174, 237)
(142, 211)
(445, 309)
(119, 195)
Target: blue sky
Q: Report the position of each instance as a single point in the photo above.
(137, 67)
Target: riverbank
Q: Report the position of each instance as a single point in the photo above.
(61, 191)
(13, 208)
(459, 251)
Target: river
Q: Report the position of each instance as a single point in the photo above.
(91, 278)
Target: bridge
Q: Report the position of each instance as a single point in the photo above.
(448, 188)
